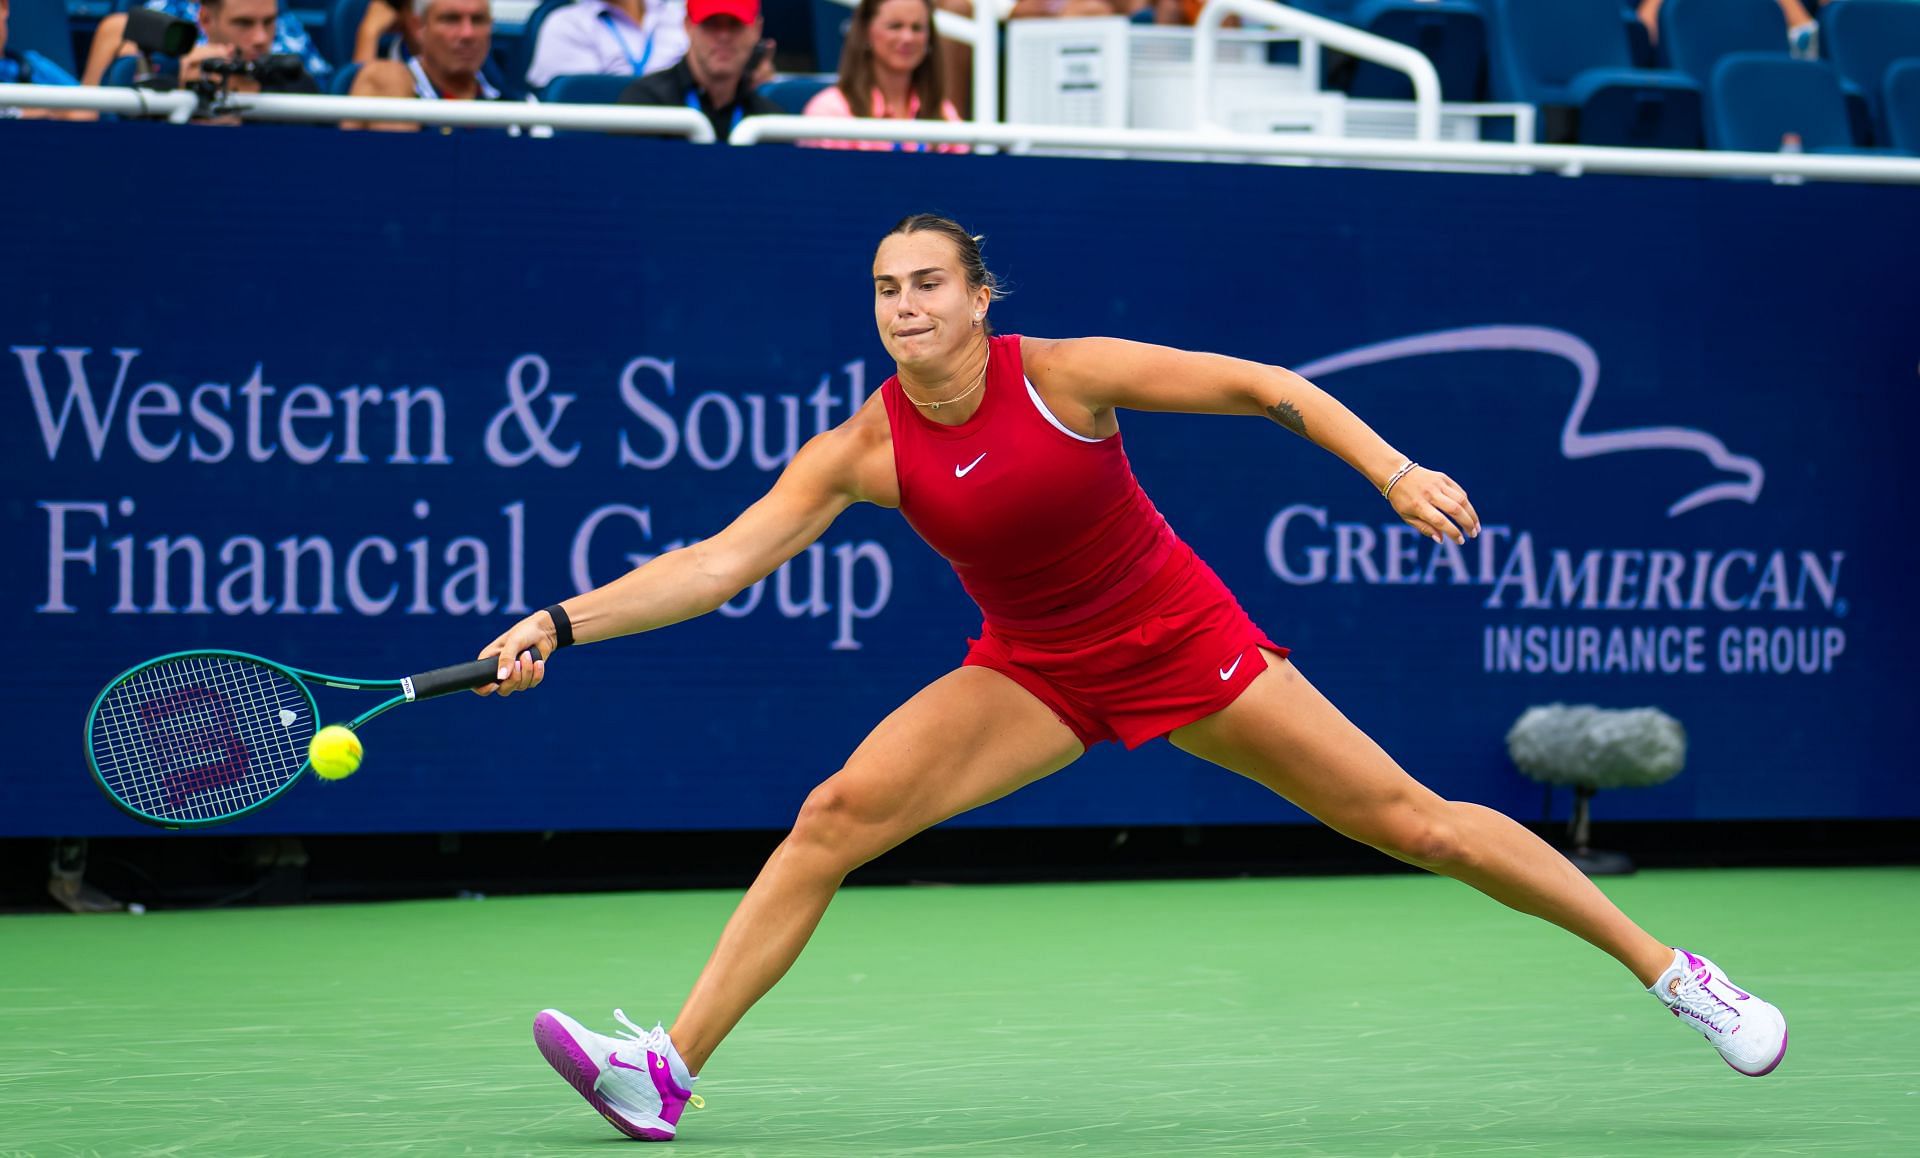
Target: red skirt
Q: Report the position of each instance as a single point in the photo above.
(1175, 651)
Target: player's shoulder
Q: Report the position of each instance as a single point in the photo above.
(844, 455)
(1070, 356)
(859, 454)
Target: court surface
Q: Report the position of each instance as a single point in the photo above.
(1342, 1016)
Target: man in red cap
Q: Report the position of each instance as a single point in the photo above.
(716, 75)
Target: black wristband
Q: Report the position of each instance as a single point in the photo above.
(562, 627)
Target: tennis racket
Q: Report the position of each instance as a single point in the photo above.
(203, 737)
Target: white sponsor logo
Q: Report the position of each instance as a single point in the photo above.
(961, 471)
(1513, 574)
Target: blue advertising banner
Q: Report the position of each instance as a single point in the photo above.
(356, 402)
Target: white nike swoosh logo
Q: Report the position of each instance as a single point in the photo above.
(1226, 673)
(961, 471)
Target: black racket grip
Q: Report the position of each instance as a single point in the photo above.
(461, 677)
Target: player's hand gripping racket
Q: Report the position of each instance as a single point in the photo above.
(204, 737)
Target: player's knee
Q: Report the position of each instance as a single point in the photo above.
(1432, 842)
(836, 822)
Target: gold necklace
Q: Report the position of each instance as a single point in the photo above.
(947, 401)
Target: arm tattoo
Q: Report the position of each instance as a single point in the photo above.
(1284, 413)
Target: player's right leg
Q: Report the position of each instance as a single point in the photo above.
(968, 738)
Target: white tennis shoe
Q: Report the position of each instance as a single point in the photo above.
(1750, 1034)
(637, 1081)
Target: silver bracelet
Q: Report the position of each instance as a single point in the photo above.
(1387, 491)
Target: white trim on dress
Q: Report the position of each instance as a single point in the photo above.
(1048, 415)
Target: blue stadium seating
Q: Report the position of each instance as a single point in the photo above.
(1695, 34)
(121, 72)
(41, 25)
(516, 78)
(341, 83)
(586, 89)
(1756, 99)
(343, 27)
(1450, 33)
(1863, 37)
(1573, 54)
(829, 33)
(1903, 105)
(792, 93)
(1639, 40)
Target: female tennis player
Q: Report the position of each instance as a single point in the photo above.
(1099, 624)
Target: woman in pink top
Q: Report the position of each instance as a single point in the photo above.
(889, 67)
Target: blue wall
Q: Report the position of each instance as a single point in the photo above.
(1682, 408)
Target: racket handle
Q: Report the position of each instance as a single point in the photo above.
(461, 677)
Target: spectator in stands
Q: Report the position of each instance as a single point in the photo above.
(609, 38)
(724, 49)
(455, 37)
(1029, 9)
(287, 36)
(383, 33)
(1803, 34)
(25, 66)
(890, 67)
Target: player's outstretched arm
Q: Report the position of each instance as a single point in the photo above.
(1104, 373)
(829, 474)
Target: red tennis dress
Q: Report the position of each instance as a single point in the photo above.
(1089, 600)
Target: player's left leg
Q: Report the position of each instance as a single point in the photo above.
(1284, 734)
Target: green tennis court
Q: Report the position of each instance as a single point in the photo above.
(1344, 1016)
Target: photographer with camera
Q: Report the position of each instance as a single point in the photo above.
(239, 35)
(112, 39)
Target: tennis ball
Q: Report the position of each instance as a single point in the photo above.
(334, 753)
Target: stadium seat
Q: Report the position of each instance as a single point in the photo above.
(121, 72)
(341, 83)
(1639, 40)
(1863, 37)
(41, 25)
(830, 22)
(1571, 56)
(1756, 99)
(792, 93)
(1695, 34)
(343, 28)
(1903, 105)
(1451, 33)
(516, 78)
(586, 89)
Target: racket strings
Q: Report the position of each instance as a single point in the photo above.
(201, 737)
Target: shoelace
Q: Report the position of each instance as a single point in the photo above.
(655, 1040)
(1703, 1004)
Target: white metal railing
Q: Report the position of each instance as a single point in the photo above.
(1567, 160)
(680, 122)
(1365, 45)
(126, 102)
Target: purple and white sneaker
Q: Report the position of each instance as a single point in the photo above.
(1750, 1034)
(637, 1080)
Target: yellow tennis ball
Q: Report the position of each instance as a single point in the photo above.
(334, 752)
